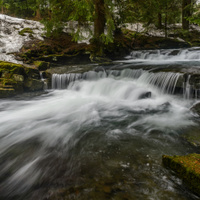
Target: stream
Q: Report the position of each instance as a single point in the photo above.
(99, 135)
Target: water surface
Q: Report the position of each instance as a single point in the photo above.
(100, 138)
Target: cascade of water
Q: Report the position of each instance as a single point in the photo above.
(108, 125)
(187, 88)
(44, 81)
(61, 81)
(163, 54)
(165, 81)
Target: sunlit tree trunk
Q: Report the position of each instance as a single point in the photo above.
(186, 12)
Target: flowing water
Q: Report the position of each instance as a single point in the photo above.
(179, 57)
(100, 136)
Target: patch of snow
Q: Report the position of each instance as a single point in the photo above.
(85, 32)
(151, 30)
(10, 39)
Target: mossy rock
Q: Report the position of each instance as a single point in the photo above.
(31, 84)
(196, 108)
(11, 83)
(16, 78)
(192, 135)
(32, 72)
(12, 68)
(42, 65)
(25, 30)
(187, 168)
(7, 92)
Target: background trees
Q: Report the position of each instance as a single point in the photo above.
(105, 15)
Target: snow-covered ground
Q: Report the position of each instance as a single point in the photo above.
(10, 39)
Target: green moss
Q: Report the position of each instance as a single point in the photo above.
(187, 168)
(41, 65)
(7, 92)
(25, 30)
(8, 82)
(11, 67)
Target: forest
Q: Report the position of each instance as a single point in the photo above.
(111, 15)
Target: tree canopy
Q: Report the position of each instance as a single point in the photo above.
(104, 15)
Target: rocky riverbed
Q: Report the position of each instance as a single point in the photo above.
(34, 57)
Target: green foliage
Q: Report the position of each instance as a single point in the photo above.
(195, 18)
(56, 14)
(21, 8)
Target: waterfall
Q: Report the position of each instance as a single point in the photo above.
(166, 54)
(61, 81)
(187, 88)
(167, 82)
(114, 122)
(44, 81)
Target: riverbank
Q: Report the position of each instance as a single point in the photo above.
(16, 79)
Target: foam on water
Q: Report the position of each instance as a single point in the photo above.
(165, 81)
(164, 56)
(55, 120)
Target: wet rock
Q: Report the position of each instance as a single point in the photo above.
(42, 65)
(33, 84)
(5, 74)
(165, 106)
(192, 135)
(100, 59)
(63, 59)
(174, 53)
(32, 73)
(145, 95)
(187, 168)
(196, 108)
(7, 92)
(195, 81)
(16, 78)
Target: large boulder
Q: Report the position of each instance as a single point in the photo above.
(31, 84)
(16, 78)
(187, 168)
(196, 108)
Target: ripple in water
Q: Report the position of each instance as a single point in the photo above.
(98, 139)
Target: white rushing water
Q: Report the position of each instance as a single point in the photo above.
(51, 139)
(165, 56)
(167, 82)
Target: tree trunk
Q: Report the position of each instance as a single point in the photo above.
(159, 20)
(99, 25)
(38, 15)
(2, 11)
(166, 22)
(99, 21)
(186, 12)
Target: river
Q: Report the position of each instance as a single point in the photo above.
(98, 136)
